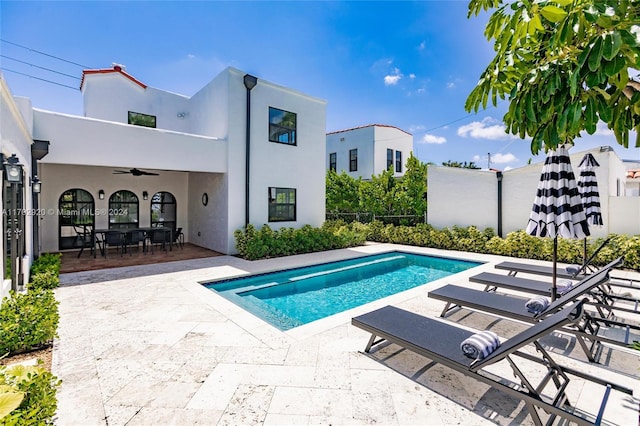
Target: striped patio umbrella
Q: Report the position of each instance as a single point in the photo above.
(557, 209)
(588, 189)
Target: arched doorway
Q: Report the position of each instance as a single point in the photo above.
(76, 209)
(123, 210)
(163, 210)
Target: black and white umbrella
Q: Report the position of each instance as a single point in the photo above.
(557, 209)
(588, 189)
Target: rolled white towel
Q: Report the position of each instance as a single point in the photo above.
(563, 286)
(537, 304)
(480, 345)
(573, 269)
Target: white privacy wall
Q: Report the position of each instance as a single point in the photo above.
(466, 197)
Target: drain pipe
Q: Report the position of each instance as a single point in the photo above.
(499, 177)
(249, 83)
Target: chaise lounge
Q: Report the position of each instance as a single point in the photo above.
(440, 341)
(587, 330)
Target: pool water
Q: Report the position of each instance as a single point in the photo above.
(290, 298)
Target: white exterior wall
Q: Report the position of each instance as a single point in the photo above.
(361, 139)
(450, 202)
(15, 138)
(125, 95)
(477, 203)
(391, 138)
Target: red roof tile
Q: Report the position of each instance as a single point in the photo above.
(116, 69)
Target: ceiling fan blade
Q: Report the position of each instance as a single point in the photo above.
(149, 173)
(121, 172)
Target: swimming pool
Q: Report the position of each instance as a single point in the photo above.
(293, 297)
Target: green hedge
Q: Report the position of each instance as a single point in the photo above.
(27, 320)
(27, 395)
(257, 244)
(49, 262)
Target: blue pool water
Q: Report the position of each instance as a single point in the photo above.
(294, 297)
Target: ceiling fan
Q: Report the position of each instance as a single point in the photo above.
(135, 172)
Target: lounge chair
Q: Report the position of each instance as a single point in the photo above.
(603, 294)
(513, 307)
(570, 272)
(440, 341)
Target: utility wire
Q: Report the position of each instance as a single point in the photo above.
(42, 53)
(38, 78)
(37, 66)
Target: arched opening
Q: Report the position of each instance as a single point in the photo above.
(163, 210)
(76, 209)
(123, 210)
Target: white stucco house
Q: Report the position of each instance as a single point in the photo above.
(368, 150)
(240, 151)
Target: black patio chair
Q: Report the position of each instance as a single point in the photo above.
(114, 238)
(159, 237)
(133, 238)
(440, 342)
(178, 238)
(85, 238)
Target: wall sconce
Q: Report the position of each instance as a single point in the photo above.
(36, 185)
(145, 195)
(101, 194)
(13, 169)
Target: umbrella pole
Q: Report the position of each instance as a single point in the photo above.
(555, 269)
(584, 260)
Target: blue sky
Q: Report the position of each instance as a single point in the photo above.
(406, 64)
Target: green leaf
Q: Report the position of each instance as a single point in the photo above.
(562, 2)
(595, 56)
(536, 23)
(590, 116)
(531, 114)
(553, 13)
(611, 45)
(9, 401)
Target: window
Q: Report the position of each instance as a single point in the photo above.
(399, 161)
(123, 210)
(282, 126)
(75, 209)
(353, 160)
(389, 158)
(139, 119)
(282, 204)
(163, 210)
(332, 161)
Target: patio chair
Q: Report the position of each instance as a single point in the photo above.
(587, 331)
(133, 237)
(178, 238)
(604, 296)
(440, 342)
(113, 238)
(85, 238)
(159, 236)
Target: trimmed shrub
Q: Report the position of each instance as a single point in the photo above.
(47, 280)
(37, 388)
(27, 320)
(49, 262)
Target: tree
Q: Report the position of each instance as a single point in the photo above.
(412, 198)
(563, 65)
(342, 193)
(465, 165)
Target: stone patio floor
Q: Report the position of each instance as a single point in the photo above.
(149, 345)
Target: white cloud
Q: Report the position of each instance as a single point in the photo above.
(412, 76)
(451, 85)
(433, 139)
(422, 45)
(191, 56)
(415, 128)
(503, 158)
(485, 129)
(393, 78)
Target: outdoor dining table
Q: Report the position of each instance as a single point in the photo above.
(146, 230)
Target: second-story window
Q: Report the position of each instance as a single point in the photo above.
(282, 126)
(399, 161)
(353, 160)
(139, 119)
(333, 161)
(389, 158)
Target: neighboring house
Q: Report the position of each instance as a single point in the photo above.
(503, 200)
(195, 154)
(368, 150)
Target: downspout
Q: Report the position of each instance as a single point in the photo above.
(499, 177)
(38, 150)
(249, 83)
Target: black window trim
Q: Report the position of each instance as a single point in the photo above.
(353, 160)
(272, 203)
(289, 129)
(155, 119)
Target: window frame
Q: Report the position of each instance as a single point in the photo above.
(389, 158)
(140, 115)
(353, 160)
(398, 161)
(277, 129)
(124, 207)
(273, 204)
(333, 161)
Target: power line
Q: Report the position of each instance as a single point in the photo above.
(38, 78)
(42, 53)
(37, 66)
